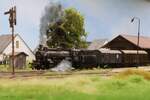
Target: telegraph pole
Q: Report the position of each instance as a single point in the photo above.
(12, 23)
(138, 39)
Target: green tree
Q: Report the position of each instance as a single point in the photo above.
(68, 32)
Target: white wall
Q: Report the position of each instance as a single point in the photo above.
(22, 48)
(1, 57)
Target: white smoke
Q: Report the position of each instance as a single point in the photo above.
(63, 66)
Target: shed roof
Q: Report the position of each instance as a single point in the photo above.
(144, 42)
(132, 39)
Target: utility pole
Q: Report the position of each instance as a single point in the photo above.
(138, 39)
(12, 23)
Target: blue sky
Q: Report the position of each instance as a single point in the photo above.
(103, 18)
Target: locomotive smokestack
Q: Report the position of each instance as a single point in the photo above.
(53, 12)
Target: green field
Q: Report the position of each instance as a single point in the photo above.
(125, 86)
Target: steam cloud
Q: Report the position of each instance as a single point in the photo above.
(53, 12)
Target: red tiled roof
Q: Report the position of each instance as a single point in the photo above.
(144, 42)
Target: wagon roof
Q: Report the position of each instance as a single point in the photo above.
(110, 51)
(134, 51)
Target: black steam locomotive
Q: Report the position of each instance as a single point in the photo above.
(47, 58)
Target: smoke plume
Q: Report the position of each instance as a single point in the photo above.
(52, 13)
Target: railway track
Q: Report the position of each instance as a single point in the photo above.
(48, 74)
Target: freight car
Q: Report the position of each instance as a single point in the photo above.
(85, 59)
(111, 58)
(130, 57)
(48, 58)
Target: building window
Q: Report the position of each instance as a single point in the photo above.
(17, 44)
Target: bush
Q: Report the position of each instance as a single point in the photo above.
(130, 72)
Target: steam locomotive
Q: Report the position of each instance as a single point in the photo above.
(47, 58)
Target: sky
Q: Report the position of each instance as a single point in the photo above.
(103, 18)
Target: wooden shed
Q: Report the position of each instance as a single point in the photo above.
(128, 42)
(19, 60)
(129, 47)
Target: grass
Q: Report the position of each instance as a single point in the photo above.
(7, 68)
(128, 85)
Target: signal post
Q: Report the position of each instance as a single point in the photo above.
(12, 23)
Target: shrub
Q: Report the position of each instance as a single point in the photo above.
(130, 72)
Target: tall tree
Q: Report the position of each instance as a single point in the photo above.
(74, 28)
(68, 32)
